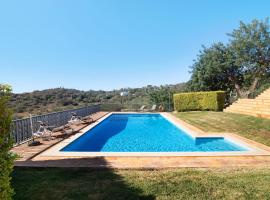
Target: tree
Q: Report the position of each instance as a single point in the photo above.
(211, 69)
(6, 158)
(250, 44)
(238, 66)
(162, 96)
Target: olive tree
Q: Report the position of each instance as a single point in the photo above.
(250, 44)
(237, 66)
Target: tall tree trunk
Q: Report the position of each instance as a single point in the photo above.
(240, 93)
(246, 94)
(253, 86)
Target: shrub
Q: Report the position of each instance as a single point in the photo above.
(6, 158)
(213, 100)
(110, 107)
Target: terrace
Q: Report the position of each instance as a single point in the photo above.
(46, 154)
(135, 100)
(226, 177)
(27, 153)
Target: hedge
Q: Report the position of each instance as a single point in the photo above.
(6, 158)
(213, 100)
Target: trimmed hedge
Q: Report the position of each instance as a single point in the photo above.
(213, 100)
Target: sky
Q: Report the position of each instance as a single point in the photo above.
(111, 44)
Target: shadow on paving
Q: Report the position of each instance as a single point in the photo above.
(72, 183)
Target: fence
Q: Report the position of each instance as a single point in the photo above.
(21, 129)
(132, 107)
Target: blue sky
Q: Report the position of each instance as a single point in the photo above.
(98, 44)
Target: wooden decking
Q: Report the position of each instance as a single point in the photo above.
(26, 152)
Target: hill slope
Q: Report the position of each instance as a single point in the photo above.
(57, 99)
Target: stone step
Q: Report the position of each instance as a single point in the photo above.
(256, 114)
(264, 94)
(254, 101)
(252, 114)
(248, 111)
(263, 98)
(250, 106)
(258, 107)
(242, 105)
(266, 106)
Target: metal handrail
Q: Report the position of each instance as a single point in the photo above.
(22, 129)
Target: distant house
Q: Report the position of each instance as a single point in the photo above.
(122, 94)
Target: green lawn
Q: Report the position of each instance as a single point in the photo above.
(42, 183)
(82, 184)
(247, 126)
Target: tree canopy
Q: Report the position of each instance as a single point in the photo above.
(238, 66)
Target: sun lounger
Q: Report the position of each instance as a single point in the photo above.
(153, 109)
(88, 119)
(75, 119)
(57, 129)
(42, 132)
(72, 124)
(142, 108)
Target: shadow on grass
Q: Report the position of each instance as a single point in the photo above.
(48, 181)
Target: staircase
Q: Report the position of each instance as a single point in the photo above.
(258, 107)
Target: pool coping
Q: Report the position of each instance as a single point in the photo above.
(255, 148)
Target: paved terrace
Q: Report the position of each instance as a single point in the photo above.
(27, 153)
(31, 157)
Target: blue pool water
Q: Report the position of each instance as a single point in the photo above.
(144, 133)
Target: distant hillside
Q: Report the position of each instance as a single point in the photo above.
(40, 102)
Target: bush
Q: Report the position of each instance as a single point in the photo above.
(213, 100)
(110, 107)
(6, 158)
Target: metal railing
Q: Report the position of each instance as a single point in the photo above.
(22, 131)
(133, 107)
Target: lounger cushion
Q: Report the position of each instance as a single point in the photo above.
(58, 128)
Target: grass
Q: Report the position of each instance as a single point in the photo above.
(42, 183)
(253, 128)
(51, 183)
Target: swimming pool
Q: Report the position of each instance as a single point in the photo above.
(145, 133)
